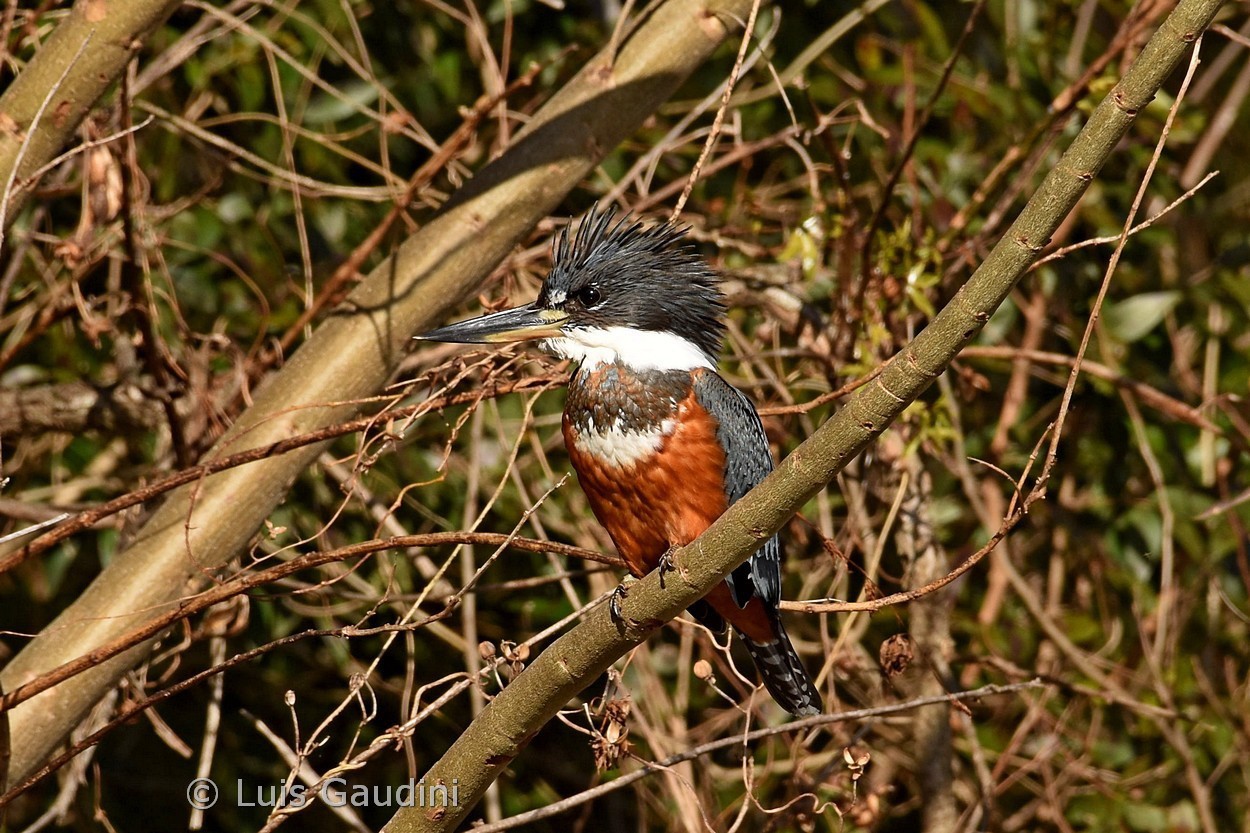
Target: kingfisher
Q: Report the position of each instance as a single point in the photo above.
(661, 443)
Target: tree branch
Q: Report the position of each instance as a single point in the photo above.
(49, 99)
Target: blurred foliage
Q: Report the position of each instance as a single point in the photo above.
(1138, 559)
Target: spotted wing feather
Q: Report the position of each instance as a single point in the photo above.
(747, 462)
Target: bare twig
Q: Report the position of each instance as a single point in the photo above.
(747, 31)
(653, 767)
(226, 590)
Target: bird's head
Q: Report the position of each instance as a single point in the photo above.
(617, 292)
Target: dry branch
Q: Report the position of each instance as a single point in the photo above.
(824, 720)
(318, 437)
(226, 590)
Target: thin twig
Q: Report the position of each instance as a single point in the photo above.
(85, 519)
(240, 584)
(796, 726)
(1066, 403)
(720, 112)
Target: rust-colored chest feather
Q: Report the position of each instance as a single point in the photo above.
(647, 457)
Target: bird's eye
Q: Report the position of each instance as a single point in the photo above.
(588, 296)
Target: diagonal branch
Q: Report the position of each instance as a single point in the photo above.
(69, 73)
(573, 662)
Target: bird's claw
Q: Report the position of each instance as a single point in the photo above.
(665, 564)
(614, 602)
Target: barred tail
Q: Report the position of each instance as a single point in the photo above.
(784, 675)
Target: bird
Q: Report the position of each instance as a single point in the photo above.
(662, 444)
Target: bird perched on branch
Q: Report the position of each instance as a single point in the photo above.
(661, 443)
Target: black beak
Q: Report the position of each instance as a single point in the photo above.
(519, 324)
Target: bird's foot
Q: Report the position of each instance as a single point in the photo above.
(618, 595)
(665, 564)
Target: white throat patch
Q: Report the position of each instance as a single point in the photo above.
(636, 349)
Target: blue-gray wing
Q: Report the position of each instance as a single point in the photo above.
(747, 462)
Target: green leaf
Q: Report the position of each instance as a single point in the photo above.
(804, 246)
(325, 108)
(1134, 317)
(1145, 817)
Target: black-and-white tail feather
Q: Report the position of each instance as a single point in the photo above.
(784, 675)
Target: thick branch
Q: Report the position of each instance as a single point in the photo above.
(69, 73)
(74, 407)
(575, 660)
